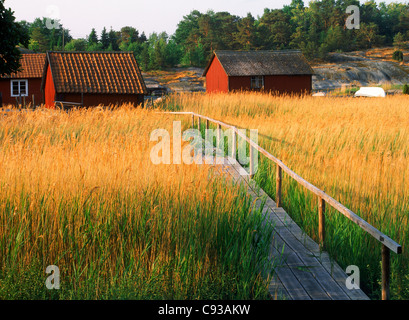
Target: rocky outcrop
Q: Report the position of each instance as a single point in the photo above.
(354, 70)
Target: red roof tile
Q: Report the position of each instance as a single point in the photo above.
(96, 72)
(32, 66)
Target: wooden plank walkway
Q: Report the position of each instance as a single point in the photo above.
(303, 272)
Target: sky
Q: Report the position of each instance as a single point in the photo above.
(80, 16)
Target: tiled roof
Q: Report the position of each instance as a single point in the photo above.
(254, 63)
(95, 72)
(32, 66)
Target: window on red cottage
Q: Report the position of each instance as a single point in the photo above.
(257, 82)
(19, 88)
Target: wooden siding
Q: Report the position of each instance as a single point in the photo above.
(49, 89)
(89, 100)
(275, 84)
(216, 78)
(288, 84)
(92, 100)
(283, 72)
(34, 88)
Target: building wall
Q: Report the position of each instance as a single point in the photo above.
(216, 78)
(288, 84)
(49, 89)
(279, 84)
(34, 88)
(92, 100)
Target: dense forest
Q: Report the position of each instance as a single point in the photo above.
(316, 30)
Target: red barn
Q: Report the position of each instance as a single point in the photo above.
(92, 79)
(24, 85)
(282, 72)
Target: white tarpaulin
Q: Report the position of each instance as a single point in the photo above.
(370, 92)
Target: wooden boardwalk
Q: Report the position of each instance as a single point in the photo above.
(303, 272)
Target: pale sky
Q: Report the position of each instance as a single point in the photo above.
(80, 16)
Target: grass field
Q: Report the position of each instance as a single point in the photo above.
(78, 190)
(356, 150)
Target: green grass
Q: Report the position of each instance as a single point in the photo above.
(212, 254)
(117, 226)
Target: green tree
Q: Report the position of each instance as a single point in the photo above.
(173, 54)
(93, 37)
(275, 29)
(128, 35)
(399, 41)
(76, 45)
(104, 39)
(397, 55)
(11, 35)
(143, 58)
(406, 89)
(368, 37)
(245, 36)
(39, 42)
(113, 38)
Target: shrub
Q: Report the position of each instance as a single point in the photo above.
(397, 55)
(406, 89)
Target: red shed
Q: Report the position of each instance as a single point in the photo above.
(92, 79)
(26, 83)
(282, 72)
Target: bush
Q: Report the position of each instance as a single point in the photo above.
(398, 56)
(406, 89)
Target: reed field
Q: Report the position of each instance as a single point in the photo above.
(354, 149)
(78, 190)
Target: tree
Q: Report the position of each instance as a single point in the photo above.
(113, 39)
(11, 34)
(144, 57)
(173, 54)
(129, 35)
(39, 41)
(399, 41)
(245, 36)
(368, 37)
(76, 45)
(397, 55)
(92, 38)
(104, 39)
(405, 89)
(276, 29)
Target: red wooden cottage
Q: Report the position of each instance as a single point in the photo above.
(92, 79)
(282, 72)
(24, 85)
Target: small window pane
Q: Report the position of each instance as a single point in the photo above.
(257, 82)
(23, 88)
(15, 88)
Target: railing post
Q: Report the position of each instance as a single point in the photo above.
(321, 222)
(198, 123)
(234, 143)
(219, 134)
(251, 169)
(207, 124)
(385, 272)
(278, 186)
(193, 121)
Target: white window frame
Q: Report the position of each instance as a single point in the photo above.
(19, 88)
(257, 82)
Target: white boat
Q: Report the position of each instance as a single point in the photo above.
(370, 92)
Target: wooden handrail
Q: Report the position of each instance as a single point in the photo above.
(64, 103)
(387, 243)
